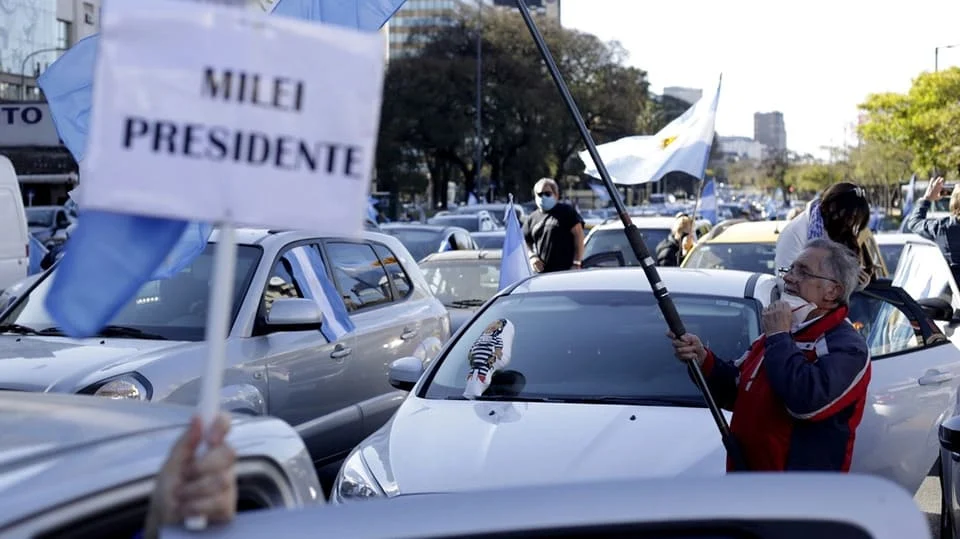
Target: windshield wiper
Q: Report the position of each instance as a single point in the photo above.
(110, 331)
(467, 303)
(503, 398)
(127, 331)
(18, 329)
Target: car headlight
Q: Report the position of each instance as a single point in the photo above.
(355, 481)
(124, 387)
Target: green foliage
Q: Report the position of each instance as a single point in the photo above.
(924, 122)
(427, 124)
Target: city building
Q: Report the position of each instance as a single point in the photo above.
(739, 148)
(33, 34)
(690, 95)
(769, 130)
(415, 17)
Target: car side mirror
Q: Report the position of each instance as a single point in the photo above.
(610, 259)
(937, 309)
(950, 435)
(405, 373)
(294, 314)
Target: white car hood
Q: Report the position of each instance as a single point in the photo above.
(441, 446)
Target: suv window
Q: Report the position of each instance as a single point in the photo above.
(399, 278)
(359, 275)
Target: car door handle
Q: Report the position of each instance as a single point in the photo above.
(341, 352)
(408, 334)
(935, 377)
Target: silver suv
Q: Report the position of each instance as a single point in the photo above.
(279, 363)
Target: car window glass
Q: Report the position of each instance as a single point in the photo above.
(603, 241)
(923, 273)
(399, 278)
(420, 242)
(281, 284)
(753, 257)
(359, 275)
(175, 308)
(891, 256)
(599, 343)
(470, 281)
(886, 328)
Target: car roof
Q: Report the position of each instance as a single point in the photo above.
(875, 506)
(278, 238)
(727, 283)
(901, 238)
(751, 232)
(489, 233)
(41, 423)
(645, 223)
(447, 256)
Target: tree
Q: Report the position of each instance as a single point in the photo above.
(881, 166)
(924, 122)
(429, 106)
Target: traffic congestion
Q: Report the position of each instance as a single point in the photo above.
(285, 326)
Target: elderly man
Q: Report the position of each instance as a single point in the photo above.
(554, 232)
(798, 393)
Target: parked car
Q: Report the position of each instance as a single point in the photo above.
(422, 240)
(463, 281)
(497, 211)
(594, 392)
(74, 466)
(481, 221)
(45, 221)
(755, 506)
(752, 246)
(489, 241)
(279, 363)
(609, 237)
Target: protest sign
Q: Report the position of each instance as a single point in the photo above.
(210, 113)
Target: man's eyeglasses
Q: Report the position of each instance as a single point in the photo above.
(542, 194)
(804, 273)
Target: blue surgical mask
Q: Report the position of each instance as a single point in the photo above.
(546, 203)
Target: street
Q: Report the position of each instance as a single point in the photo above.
(928, 499)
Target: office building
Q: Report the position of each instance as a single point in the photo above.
(408, 26)
(738, 148)
(769, 130)
(690, 95)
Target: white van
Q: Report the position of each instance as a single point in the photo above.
(14, 241)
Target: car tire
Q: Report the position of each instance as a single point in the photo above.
(946, 517)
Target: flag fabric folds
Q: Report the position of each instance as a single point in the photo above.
(37, 252)
(514, 265)
(708, 202)
(911, 194)
(682, 146)
(308, 268)
(111, 255)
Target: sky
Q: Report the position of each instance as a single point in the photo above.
(814, 60)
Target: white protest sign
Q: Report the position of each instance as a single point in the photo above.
(211, 113)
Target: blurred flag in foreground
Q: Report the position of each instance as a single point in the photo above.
(708, 202)
(682, 146)
(308, 268)
(911, 194)
(37, 251)
(515, 265)
(111, 255)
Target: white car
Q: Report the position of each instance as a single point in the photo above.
(609, 237)
(593, 391)
(758, 506)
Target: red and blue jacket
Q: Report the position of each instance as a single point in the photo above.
(797, 398)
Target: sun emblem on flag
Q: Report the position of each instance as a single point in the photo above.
(667, 141)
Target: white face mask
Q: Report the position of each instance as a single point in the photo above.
(801, 308)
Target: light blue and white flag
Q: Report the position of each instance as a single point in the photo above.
(37, 252)
(911, 194)
(515, 265)
(682, 146)
(708, 202)
(111, 255)
(308, 268)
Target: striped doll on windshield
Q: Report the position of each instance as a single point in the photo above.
(489, 354)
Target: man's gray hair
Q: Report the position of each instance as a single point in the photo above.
(546, 181)
(841, 264)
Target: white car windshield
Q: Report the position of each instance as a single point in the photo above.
(752, 257)
(588, 345)
(174, 308)
(604, 241)
(462, 283)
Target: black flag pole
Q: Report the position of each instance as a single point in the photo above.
(664, 301)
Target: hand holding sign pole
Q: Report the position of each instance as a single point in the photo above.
(213, 135)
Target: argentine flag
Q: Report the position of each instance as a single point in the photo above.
(514, 265)
(682, 146)
(708, 202)
(308, 269)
